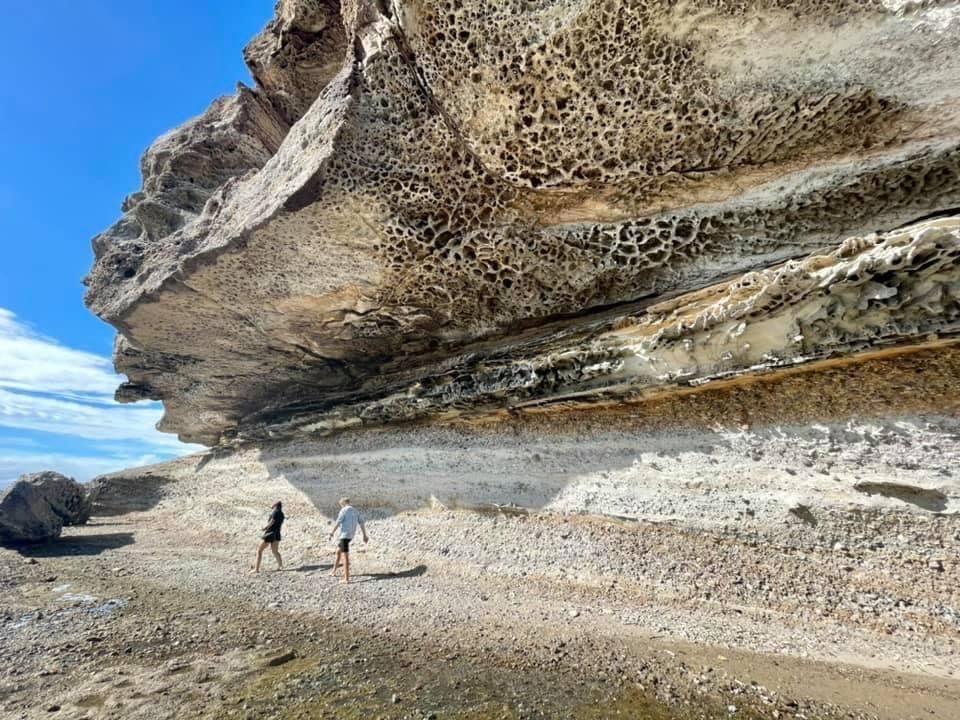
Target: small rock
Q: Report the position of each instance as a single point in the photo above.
(280, 659)
(574, 613)
(395, 698)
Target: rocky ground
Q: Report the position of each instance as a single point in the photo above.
(723, 574)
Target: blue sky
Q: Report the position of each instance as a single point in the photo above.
(85, 86)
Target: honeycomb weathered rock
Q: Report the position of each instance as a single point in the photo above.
(424, 199)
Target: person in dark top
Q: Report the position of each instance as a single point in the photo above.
(271, 536)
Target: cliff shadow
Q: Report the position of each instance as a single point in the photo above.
(623, 473)
(923, 498)
(112, 495)
(76, 545)
(508, 474)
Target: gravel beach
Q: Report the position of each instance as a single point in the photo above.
(695, 574)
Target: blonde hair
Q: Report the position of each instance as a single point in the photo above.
(344, 501)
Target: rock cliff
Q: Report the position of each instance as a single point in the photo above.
(431, 209)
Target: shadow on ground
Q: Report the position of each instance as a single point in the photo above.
(461, 469)
(411, 573)
(393, 474)
(78, 545)
(311, 568)
(924, 498)
(117, 494)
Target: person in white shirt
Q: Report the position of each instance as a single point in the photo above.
(348, 520)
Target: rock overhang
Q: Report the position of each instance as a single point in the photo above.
(443, 192)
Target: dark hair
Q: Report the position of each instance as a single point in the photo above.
(278, 504)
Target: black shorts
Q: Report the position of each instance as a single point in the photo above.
(344, 544)
(271, 537)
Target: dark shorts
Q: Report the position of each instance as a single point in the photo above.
(344, 544)
(271, 537)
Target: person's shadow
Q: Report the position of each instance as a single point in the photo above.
(311, 568)
(411, 573)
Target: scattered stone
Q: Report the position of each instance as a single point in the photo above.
(803, 513)
(281, 659)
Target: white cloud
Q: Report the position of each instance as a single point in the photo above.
(26, 411)
(50, 388)
(33, 363)
(14, 463)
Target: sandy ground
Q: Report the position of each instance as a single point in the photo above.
(790, 572)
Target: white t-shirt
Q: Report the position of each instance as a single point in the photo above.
(349, 519)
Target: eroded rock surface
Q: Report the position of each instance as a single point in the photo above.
(427, 208)
(37, 506)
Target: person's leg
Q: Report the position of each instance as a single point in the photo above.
(336, 563)
(275, 549)
(263, 546)
(346, 566)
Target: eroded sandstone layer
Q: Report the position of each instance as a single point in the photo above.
(431, 208)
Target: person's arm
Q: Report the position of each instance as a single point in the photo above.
(337, 524)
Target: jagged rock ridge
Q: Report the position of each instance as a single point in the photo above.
(433, 207)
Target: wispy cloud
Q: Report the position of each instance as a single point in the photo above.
(47, 387)
(29, 411)
(33, 363)
(83, 467)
